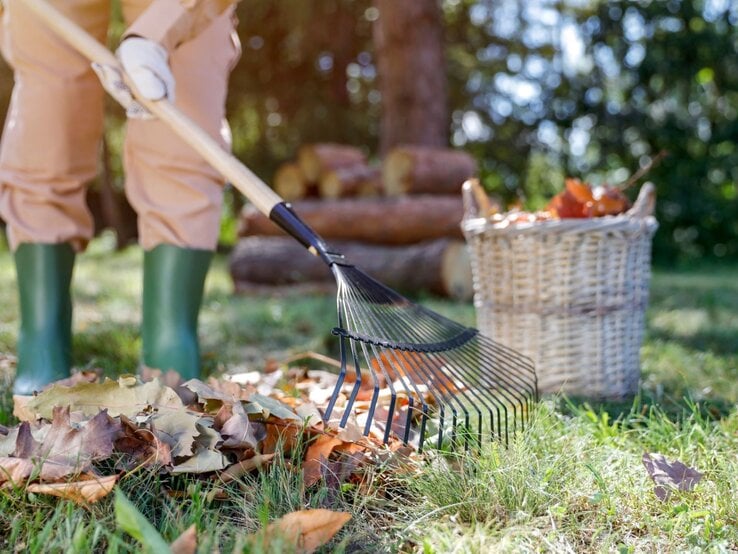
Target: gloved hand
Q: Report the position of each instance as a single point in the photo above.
(147, 66)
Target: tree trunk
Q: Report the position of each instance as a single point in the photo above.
(408, 38)
(422, 170)
(441, 266)
(396, 221)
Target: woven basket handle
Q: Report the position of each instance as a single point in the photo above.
(476, 201)
(645, 204)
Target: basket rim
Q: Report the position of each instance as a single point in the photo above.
(623, 222)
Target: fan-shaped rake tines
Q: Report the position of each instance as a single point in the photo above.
(406, 369)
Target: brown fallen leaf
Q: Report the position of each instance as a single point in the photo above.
(316, 456)
(186, 543)
(125, 396)
(16, 470)
(81, 445)
(142, 444)
(236, 471)
(240, 432)
(339, 471)
(81, 492)
(305, 531)
(211, 398)
(669, 476)
(281, 433)
(178, 428)
(207, 456)
(21, 409)
(64, 449)
(224, 413)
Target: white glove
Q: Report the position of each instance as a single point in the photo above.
(146, 64)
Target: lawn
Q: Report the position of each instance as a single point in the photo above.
(574, 481)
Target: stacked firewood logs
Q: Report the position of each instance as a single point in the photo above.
(399, 222)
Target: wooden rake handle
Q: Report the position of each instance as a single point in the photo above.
(260, 194)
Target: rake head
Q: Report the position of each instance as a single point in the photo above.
(411, 372)
(414, 374)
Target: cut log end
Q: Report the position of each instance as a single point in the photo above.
(316, 159)
(456, 272)
(358, 180)
(290, 183)
(426, 170)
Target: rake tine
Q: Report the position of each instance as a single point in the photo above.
(466, 412)
(356, 388)
(339, 382)
(380, 357)
(479, 397)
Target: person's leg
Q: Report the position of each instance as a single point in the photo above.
(178, 198)
(48, 154)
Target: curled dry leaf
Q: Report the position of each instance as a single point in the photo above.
(236, 471)
(204, 461)
(88, 491)
(207, 457)
(267, 407)
(669, 476)
(317, 455)
(240, 432)
(305, 531)
(142, 444)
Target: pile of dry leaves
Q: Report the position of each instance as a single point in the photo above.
(219, 429)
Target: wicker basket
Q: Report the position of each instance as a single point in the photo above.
(570, 294)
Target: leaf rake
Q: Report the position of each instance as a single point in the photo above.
(433, 370)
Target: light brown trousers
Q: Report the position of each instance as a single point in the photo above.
(50, 145)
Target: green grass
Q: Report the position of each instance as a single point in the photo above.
(573, 482)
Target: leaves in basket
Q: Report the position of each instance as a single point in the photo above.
(580, 200)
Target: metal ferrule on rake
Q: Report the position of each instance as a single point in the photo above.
(434, 376)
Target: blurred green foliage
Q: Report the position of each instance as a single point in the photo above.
(538, 90)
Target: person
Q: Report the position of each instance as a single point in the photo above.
(182, 50)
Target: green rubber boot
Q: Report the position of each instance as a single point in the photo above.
(174, 279)
(45, 340)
